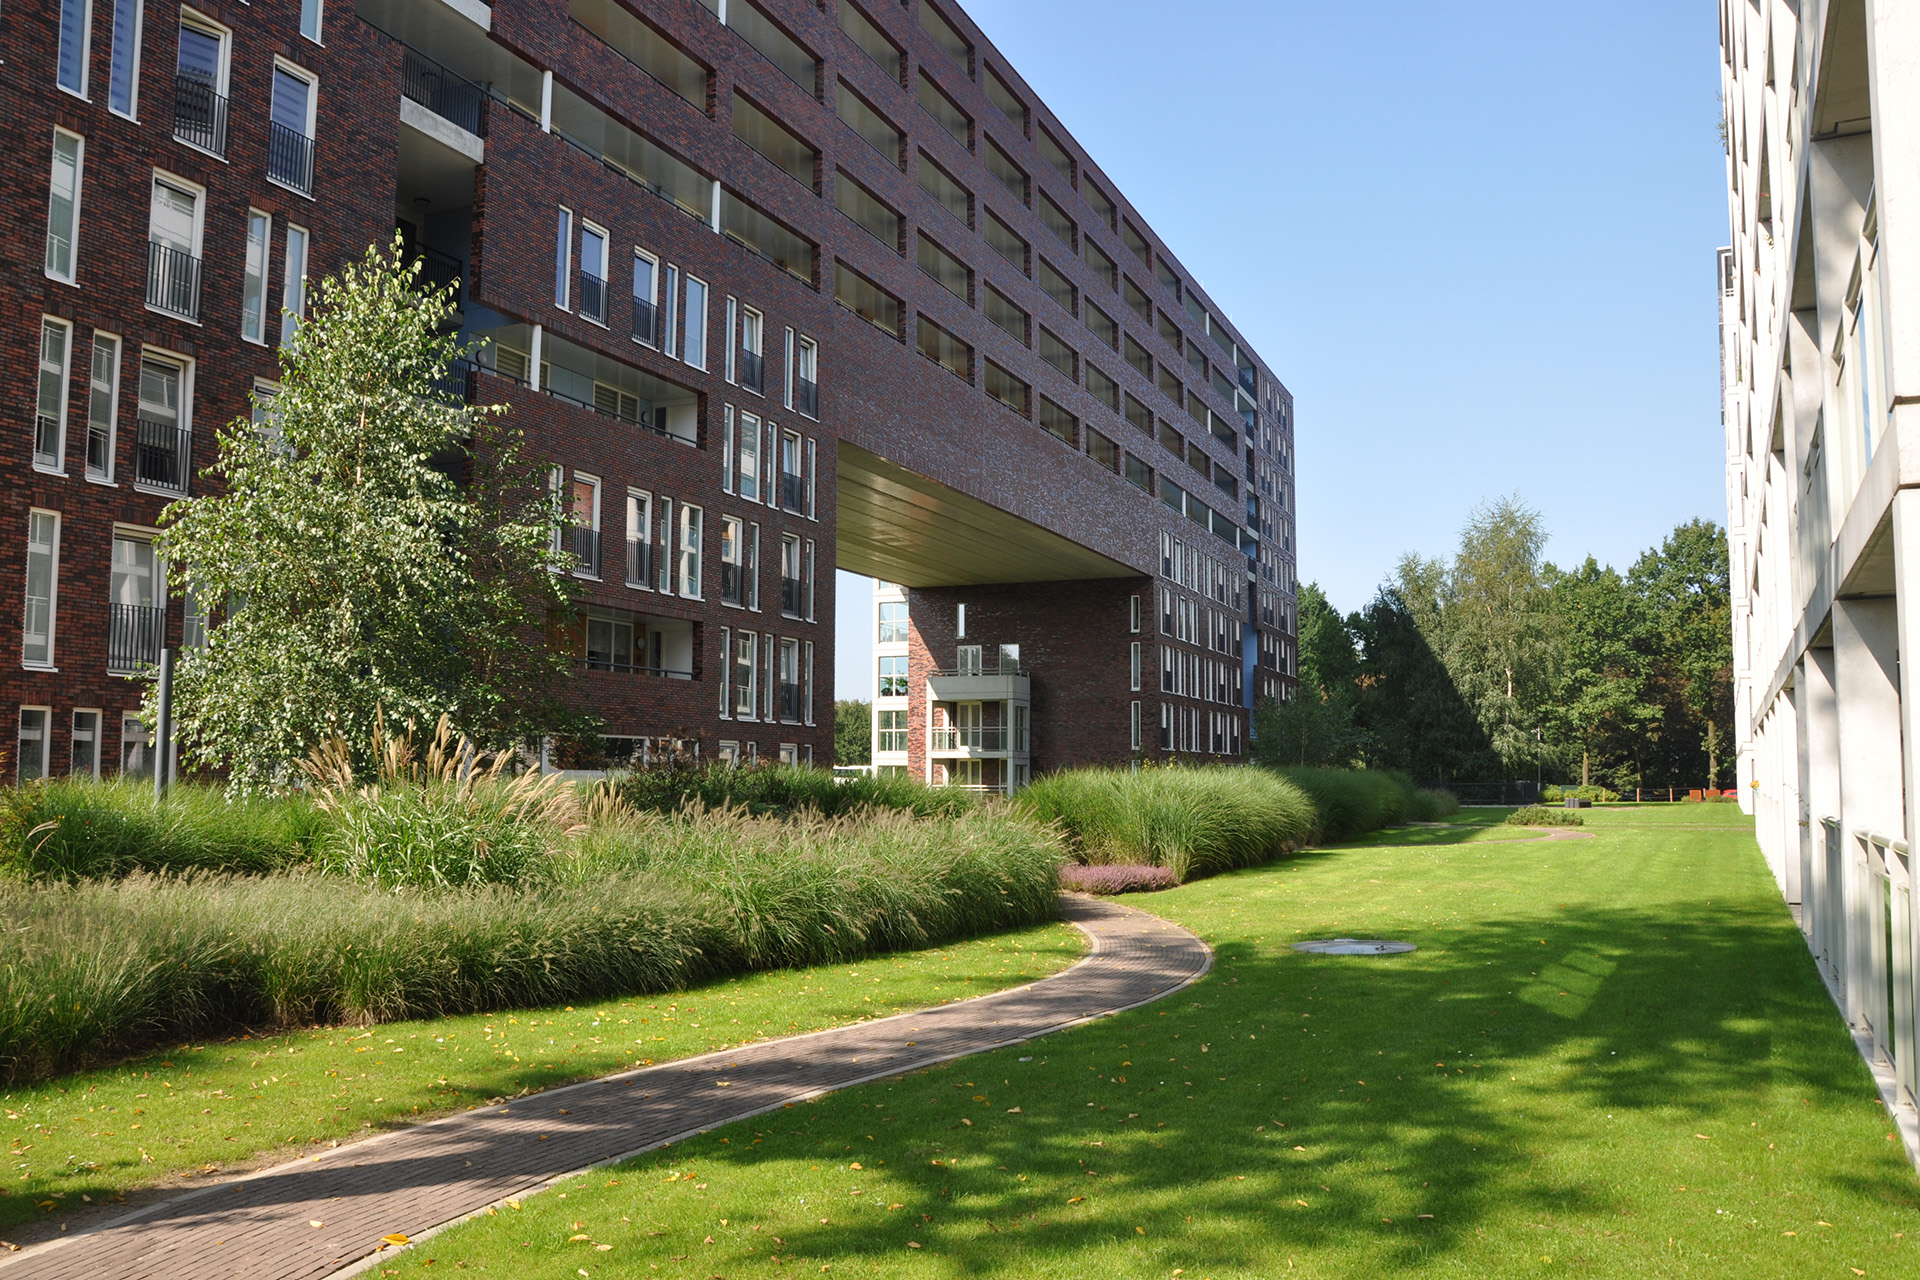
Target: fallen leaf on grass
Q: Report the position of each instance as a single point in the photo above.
(1076, 1199)
(913, 1244)
(1013, 1111)
(1703, 1137)
(572, 1238)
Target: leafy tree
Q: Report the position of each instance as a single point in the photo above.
(852, 732)
(1409, 710)
(1685, 587)
(379, 552)
(1600, 715)
(1317, 725)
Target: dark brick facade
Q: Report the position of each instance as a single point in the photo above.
(875, 390)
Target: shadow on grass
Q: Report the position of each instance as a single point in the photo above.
(1445, 1082)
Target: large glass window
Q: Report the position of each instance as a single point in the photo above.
(103, 404)
(76, 33)
(50, 415)
(749, 457)
(63, 205)
(253, 291)
(84, 759)
(123, 81)
(893, 622)
(593, 273)
(746, 669)
(689, 570)
(563, 262)
(32, 741)
(290, 133)
(893, 677)
(293, 285)
(694, 349)
(43, 561)
(893, 731)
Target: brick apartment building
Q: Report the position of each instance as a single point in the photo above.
(775, 285)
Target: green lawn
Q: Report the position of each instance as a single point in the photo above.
(1609, 1057)
(193, 1111)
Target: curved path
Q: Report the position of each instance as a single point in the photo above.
(414, 1180)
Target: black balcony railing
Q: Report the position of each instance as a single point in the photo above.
(753, 371)
(793, 491)
(586, 549)
(162, 455)
(290, 158)
(733, 583)
(790, 708)
(454, 383)
(199, 114)
(807, 396)
(646, 322)
(593, 298)
(790, 598)
(451, 97)
(135, 635)
(639, 562)
(438, 271)
(597, 661)
(173, 279)
(46, 441)
(1247, 382)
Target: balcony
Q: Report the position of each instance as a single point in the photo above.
(438, 271)
(593, 298)
(290, 158)
(1247, 380)
(733, 584)
(639, 562)
(793, 492)
(173, 280)
(199, 114)
(606, 662)
(646, 322)
(162, 455)
(792, 598)
(586, 549)
(972, 738)
(991, 683)
(453, 98)
(753, 372)
(807, 397)
(454, 384)
(135, 636)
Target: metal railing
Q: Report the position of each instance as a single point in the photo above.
(199, 114)
(733, 583)
(646, 322)
(586, 549)
(793, 491)
(753, 371)
(790, 708)
(46, 440)
(606, 662)
(451, 97)
(454, 383)
(806, 396)
(438, 271)
(639, 561)
(987, 667)
(173, 279)
(135, 635)
(593, 298)
(162, 455)
(290, 157)
(971, 738)
(790, 597)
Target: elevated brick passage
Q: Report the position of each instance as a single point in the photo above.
(422, 1177)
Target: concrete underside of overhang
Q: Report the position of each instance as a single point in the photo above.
(903, 527)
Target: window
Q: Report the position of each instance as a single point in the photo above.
(1139, 474)
(1057, 353)
(593, 273)
(872, 41)
(955, 45)
(733, 561)
(807, 378)
(936, 182)
(1136, 243)
(43, 568)
(791, 709)
(1054, 154)
(746, 672)
(1137, 300)
(103, 404)
(63, 205)
(946, 112)
(32, 755)
(790, 153)
(868, 211)
(1058, 222)
(1134, 722)
(1102, 450)
(794, 61)
(666, 545)
(161, 444)
(1102, 326)
(879, 132)
(76, 35)
(1104, 389)
(1006, 100)
(253, 290)
(893, 677)
(84, 759)
(136, 747)
(290, 130)
(1058, 287)
(1139, 357)
(689, 557)
(123, 78)
(293, 284)
(1133, 615)
(583, 512)
(1007, 389)
(1006, 242)
(646, 296)
(945, 350)
(50, 418)
(893, 622)
(892, 730)
(639, 539)
(173, 253)
(792, 577)
(1001, 310)
(753, 364)
(945, 270)
(310, 20)
(694, 348)
(1098, 201)
(866, 299)
(1059, 421)
(1011, 175)
(563, 262)
(791, 496)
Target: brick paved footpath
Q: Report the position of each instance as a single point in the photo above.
(428, 1175)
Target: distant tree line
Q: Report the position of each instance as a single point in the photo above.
(1499, 664)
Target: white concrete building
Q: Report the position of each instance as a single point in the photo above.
(1820, 349)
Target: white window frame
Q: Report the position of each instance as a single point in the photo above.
(291, 314)
(52, 554)
(806, 581)
(130, 720)
(298, 72)
(318, 16)
(57, 465)
(652, 296)
(726, 448)
(606, 265)
(256, 274)
(745, 702)
(640, 514)
(220, 31)
(749, 475)
(1134, 666)
(688, 530)
(20, 740)
(104, 476)
(806, 356)
(811, 460)
(98, 733)
(133, 73)
(73, 218)
(563, 261)
(86, 49)
(696, 328)
(1133, 615)
(753, 565)
(787, 371)
(187, 187)
(573, 517)
(732, 321)
(184, 420)
(669, 321)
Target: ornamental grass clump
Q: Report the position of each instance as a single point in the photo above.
(1535, 815)
(782, 790)
(72, 828)
(453, 818)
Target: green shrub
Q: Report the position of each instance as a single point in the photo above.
(1195, 821)
(782, 790)
(1535, 815)
(69, 828)
(1352, 802)
(1554, 794)
(1431, 804)
(645, 903)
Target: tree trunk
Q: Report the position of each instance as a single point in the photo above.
(1584, 778)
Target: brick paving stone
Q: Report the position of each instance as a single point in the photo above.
(413, 1180)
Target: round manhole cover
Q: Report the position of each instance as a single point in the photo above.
(1353, 947)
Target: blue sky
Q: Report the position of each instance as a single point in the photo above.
(1476, 242)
